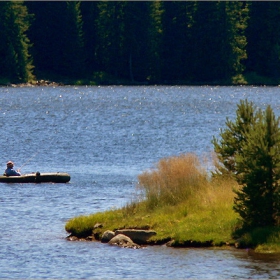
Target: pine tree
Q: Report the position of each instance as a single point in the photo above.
(58, 38)
(16, 63)
(232, 138)
(219, 43)
(136, 23)
(249, 151)
(258, 173)
(89, 13)
(73, 58)
(237, 14)
(263, 40)
(206, 50)
(110, 37)
(155, 41)
(177, 20)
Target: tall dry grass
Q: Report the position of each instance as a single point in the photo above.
(180, 191)
(173, 180)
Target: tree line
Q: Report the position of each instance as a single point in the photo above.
(171, 42)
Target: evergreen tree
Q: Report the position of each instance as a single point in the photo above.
(58, 38)
(16, 63)
(136, 24)
(237, 14)
(74, 44)
(258, 172)
(207, 47)
(232, 138)
(219, 42)
(177, 21)
(110, 37)
(89, 11)
(263, 40)
(155, 41)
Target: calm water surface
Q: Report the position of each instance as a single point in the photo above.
(104, 137)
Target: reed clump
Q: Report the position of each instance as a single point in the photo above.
(173, 180)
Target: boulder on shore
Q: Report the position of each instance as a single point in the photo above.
(107, 236)
(138, 236)
(123, 241)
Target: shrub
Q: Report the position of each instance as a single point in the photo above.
(232, 138)
(173, 180)
(258, 169)
(249, 150)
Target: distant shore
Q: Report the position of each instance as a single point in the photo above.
(64, 81)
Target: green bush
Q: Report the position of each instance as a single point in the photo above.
(232, 138)
(258, 168)
(249, 150)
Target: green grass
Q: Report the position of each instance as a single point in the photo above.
(180, 202)
(264, 240)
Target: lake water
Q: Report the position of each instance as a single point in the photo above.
(104, 137)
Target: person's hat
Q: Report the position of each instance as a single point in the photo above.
(10, 163)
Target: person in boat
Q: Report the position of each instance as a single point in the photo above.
(10, 171)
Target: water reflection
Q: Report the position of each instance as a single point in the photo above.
(219, 263)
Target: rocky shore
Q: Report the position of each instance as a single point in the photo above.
(126, 238)
(138, 238)
(37, 83)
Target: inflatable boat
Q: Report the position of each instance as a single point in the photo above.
(37, 178)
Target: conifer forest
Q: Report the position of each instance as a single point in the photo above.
(141, 42)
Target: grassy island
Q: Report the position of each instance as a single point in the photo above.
(181, 203)
(238, 204)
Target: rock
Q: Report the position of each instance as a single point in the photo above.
(97, 225)
(72, 238)
(107, 236)
(138, 236)
(123, 241)
(90, 238)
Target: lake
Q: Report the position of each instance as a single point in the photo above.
(104, 137)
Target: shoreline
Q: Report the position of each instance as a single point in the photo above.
(188, 244)
(67, 82)
(237, 244)
(168, 242)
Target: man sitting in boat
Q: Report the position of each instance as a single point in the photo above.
(10, 170)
